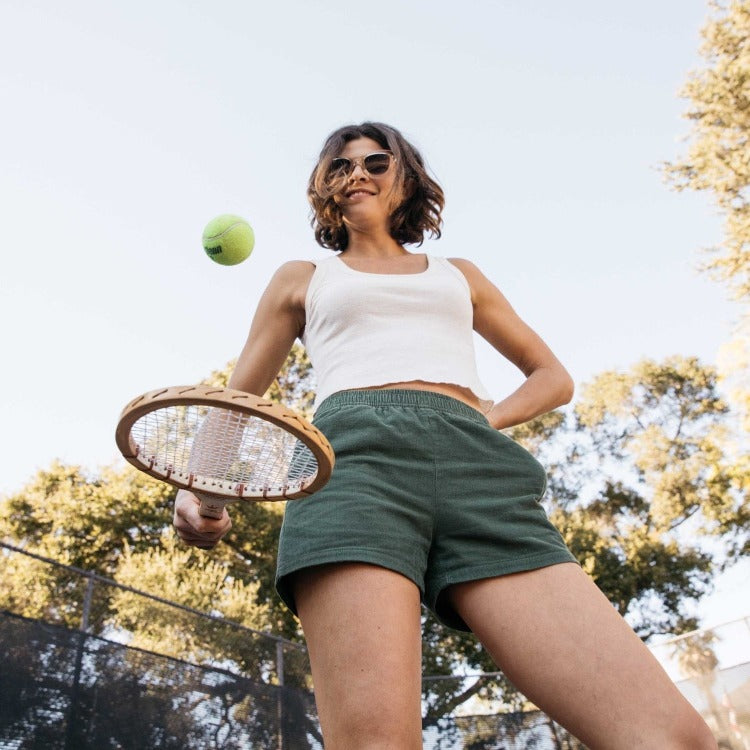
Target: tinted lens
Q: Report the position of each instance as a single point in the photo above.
(377, 163)
(339, 166)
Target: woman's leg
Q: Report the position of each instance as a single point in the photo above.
(363, 632)
(565, 647)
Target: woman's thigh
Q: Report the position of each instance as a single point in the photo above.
(363, 632)
(561, 643)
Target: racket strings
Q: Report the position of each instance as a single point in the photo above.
(222, 447)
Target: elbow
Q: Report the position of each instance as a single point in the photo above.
(567, 389)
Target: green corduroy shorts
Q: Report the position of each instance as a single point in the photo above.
(425, 486)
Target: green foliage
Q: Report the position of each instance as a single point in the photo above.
(117, 523)
(80, 520)
(640, 480)
(294, 385)
(718, 162)
(186, 576)
(83, 520)
(718, 158)
(449, 652)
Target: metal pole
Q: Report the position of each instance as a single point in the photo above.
(280, 692)
(70, 730)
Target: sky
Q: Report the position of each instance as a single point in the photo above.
(133, 124)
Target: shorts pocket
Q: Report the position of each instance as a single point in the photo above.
(524, 463)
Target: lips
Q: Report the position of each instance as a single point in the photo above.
(353, 193)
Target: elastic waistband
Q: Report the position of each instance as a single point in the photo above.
(400, 397)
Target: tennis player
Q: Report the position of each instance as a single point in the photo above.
(429, 502)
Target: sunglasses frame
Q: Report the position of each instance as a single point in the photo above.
(352, 163)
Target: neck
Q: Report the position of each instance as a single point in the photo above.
(373, 245)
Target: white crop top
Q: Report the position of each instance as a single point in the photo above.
(371, 329)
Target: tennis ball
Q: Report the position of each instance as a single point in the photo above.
(228, 239)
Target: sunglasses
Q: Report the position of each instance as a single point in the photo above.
(376, 163)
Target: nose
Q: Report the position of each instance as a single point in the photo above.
(357, 173)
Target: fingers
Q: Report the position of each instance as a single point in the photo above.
(193, 528)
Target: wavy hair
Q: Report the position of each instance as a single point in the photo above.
(419, 211)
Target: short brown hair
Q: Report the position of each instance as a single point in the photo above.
(417, 214)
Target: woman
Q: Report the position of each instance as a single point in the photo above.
(428, 501)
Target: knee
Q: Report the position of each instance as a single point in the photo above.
(692, 734)
(368, 732)
(682, 729)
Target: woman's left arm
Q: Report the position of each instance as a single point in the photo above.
(547, 385)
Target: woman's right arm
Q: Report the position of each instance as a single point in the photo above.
(278, 320)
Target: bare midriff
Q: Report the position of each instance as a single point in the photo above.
(446, 389)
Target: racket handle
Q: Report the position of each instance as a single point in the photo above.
(210, 507)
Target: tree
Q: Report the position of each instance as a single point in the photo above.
(718, 163)
(117, 523)
(718, 158)
(652, 464)
(170, 570)
(294, 386)
(79, 519)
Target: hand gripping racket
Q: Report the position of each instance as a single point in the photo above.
(223, 445)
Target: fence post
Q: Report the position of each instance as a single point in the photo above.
(71, 737)
(280, 692)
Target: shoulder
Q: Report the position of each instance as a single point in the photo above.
(465, 266)
(292, 274)
(475, 278)
(294, 270)
(289, 283)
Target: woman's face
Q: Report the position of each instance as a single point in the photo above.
(366, 198)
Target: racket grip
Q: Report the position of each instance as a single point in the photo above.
(210, 507)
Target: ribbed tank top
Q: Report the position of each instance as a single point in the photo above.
(371, 329)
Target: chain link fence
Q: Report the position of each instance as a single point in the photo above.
(70, 690)
(72, 679)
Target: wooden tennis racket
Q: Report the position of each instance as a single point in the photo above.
(224, 445)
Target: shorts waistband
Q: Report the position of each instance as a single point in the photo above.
(400, 397)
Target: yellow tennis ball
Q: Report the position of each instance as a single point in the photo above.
(228, 239)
